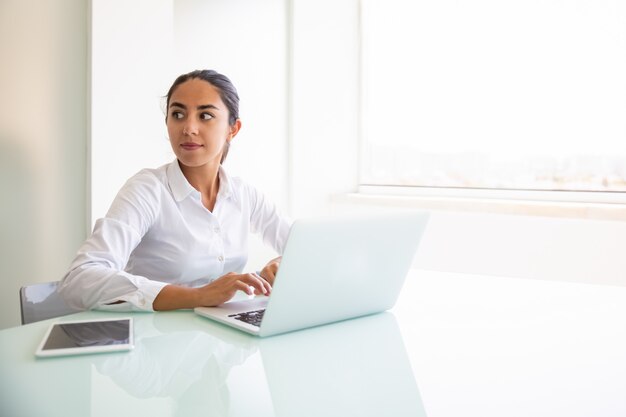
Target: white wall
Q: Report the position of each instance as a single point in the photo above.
(324, 103)
(43, 129)
(247, 41)
(535, 247)
(137, 55)
(578, 250)
(131, 59)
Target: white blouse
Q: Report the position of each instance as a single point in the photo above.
(158, 232)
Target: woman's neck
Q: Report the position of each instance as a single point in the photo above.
(206, 180)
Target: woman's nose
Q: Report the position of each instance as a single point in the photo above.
(190, 128)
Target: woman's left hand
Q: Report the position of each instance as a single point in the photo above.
(269, 271)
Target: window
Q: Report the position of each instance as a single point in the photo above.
(492, 94)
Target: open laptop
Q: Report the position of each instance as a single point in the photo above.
(332, 269)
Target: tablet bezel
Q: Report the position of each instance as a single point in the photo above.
(40, 352)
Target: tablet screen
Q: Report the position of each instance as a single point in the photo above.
(88, 336)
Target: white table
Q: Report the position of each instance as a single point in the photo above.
(454, 345)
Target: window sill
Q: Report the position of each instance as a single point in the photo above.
(608, 207)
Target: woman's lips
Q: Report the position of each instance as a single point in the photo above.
(190, 146)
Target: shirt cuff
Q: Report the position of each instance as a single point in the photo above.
(140, 300)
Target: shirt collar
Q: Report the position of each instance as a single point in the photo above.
(178, 183)
(226, 184)
(181, 188)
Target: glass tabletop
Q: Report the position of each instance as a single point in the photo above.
(453, 345)
(185, 365)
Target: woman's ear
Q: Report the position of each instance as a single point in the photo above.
(234, 129)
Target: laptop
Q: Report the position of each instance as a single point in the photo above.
(333, 269)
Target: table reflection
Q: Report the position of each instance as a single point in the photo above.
(176, 360)
(353, 368)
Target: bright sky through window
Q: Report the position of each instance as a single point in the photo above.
(518, 94)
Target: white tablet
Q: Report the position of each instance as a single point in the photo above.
(87, 336)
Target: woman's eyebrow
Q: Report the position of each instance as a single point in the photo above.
(207, 106)
(176, 104)
(200, 107)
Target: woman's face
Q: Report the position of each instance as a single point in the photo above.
(197, 123)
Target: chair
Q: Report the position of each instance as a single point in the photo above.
(42, 301)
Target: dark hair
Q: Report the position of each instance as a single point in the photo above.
(225, 88)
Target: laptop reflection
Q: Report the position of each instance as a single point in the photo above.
(352, 368)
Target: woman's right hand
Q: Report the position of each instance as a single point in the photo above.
(225, 287)
(174, 297)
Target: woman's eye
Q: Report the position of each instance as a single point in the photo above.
(177, 115)
(206, 116)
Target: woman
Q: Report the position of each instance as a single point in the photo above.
(176, 236)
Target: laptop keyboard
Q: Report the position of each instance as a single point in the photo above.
(251, 317)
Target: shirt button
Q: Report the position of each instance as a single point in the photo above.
(220, 258)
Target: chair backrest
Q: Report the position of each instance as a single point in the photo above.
(42, 301)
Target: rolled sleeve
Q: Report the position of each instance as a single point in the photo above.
(140, 300)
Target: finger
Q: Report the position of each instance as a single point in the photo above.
(264, 286)
(259, 283)
(269, 274)
(269, 277)
(243, 286)
(267, 286)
